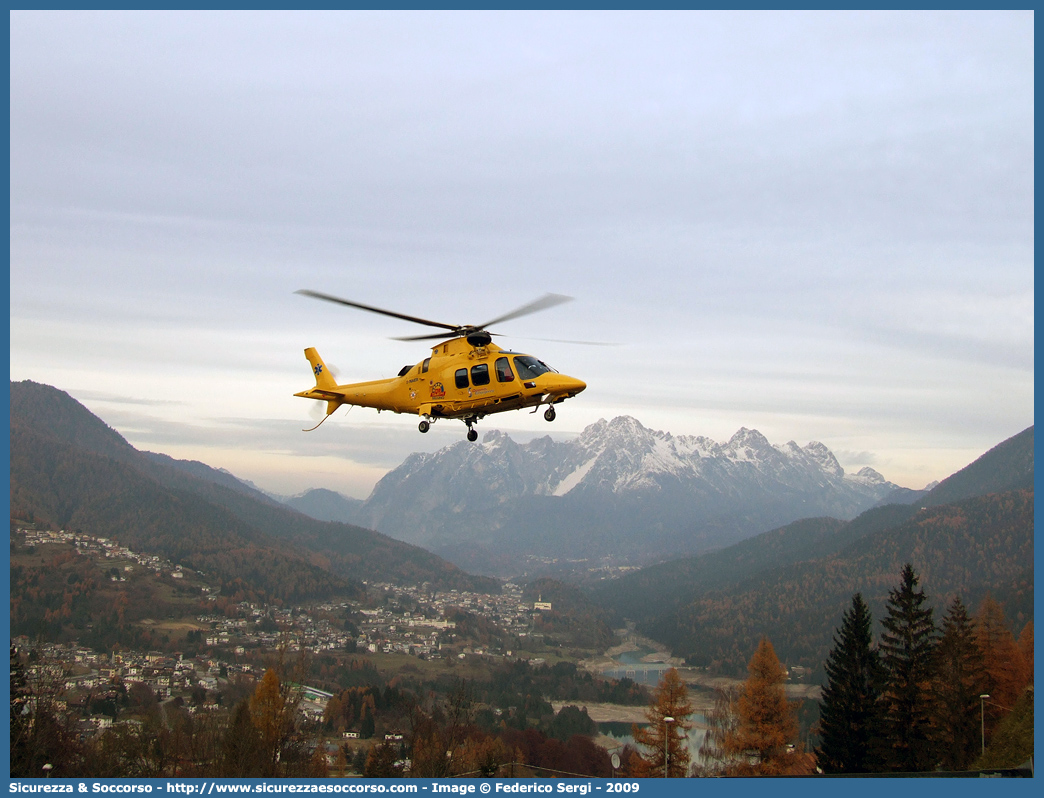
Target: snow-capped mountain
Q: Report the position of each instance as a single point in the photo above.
(618, 492)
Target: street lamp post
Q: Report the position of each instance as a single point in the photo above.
(667, 721)
(982, 719)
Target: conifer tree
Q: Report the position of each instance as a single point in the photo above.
(958, 684)
(907, 647)
(851, 708)
(663, 737)
(767, 721)
(367, 724)
(382, 762)
(359, 760)
(1003, 661)
(241, 754)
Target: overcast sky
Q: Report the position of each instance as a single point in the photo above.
(818, 225)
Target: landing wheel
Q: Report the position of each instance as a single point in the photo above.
(549, 414)
(424, 426)
(472, 435)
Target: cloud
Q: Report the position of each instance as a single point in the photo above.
(817, 224)
(107, 398)
(864, 458)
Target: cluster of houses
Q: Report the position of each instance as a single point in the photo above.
(76, 679)
(416, 621)
(167, 675)
(424, 630)
(392, 628)
(95, 547)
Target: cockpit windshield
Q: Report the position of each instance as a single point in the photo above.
(529, 367)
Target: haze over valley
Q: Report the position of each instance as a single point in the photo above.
(694, 548)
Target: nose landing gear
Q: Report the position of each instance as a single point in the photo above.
(549, 414)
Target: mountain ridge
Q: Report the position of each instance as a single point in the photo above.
(970, 534)
(324, 505)
(69, 468)
(484, 506)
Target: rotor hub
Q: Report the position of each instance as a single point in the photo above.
(479, 338)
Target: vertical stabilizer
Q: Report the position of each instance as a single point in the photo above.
(323, 378)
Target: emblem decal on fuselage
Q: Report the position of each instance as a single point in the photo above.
(437, 391)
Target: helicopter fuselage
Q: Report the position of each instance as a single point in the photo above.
(458, 380)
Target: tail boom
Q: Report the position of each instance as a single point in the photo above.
(380, 394)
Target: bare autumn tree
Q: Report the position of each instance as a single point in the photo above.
(438, 731)
(428, 746)
(767, 721)
(722, 721)
(483, 755)
(41, 732)
(665, 739)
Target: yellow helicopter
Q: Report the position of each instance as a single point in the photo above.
(466, 376)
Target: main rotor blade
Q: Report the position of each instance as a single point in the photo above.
(545, 302)
(360, 306)
(433, 337)
(577, 343)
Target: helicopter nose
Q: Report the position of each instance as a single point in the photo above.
(568, 386)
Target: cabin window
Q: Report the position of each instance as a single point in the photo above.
(462, 378)
(424, 365)
(529, 368)
(480, 374)
(504, 370)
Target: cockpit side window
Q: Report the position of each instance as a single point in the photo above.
(503, 367)
(480, 374)
(425, 364)
(529, 367)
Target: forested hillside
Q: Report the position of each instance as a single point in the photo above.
(1007, 466)
(68, 469)
(60, 595)
(572, 614)
(979, 546)
(65, 487)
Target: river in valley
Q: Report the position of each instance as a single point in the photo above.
(646, 666)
